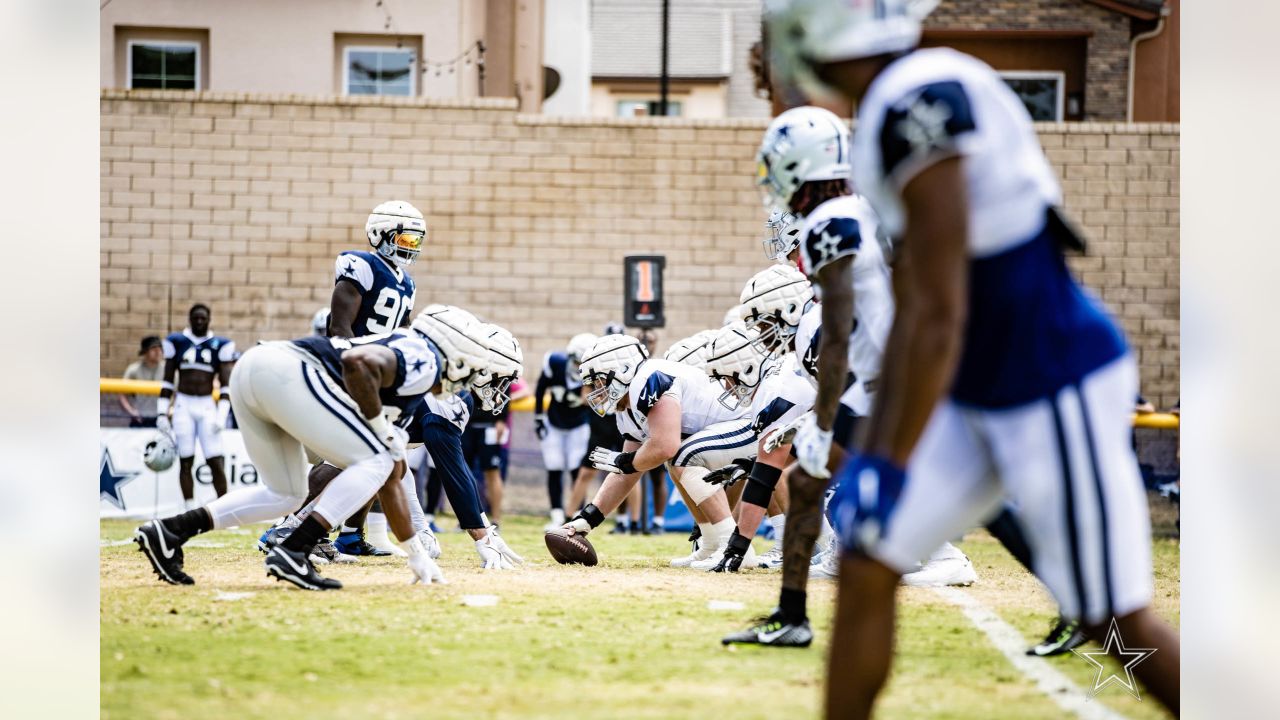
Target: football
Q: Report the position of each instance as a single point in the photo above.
(570, 549)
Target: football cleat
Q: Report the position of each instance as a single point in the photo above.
(164, 550)
(327, 551)
(828, 565)
(701, 551)
(353, 543)
(1065, 635)
(295, 567)
(772, 631)
(430, 542)
(557, 519)
(948, 566)
(771, 559)
(273, 536)
(749, 560)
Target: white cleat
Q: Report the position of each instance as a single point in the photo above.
(828, 565)
(701, 551)
(771, 559)
(557, 520)
(948, 566)
(748, 561)
(429, 541)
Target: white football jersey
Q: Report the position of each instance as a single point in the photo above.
(698, 394)
(847, 226)
(783, 396)
(936, 103)
(857, 397)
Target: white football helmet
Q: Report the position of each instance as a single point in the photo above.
(502, 366)
(782, 235)
(773, 302)
(608, 369)
(320, 322)
(736, 361)
(692, 350)
(396, 231)
(732, 315)
(159, 454)
(455, 333)
(578, 346)
(804, 33)
(804, 144)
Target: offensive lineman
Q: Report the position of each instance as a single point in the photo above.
(196, 356)
(1004, 378)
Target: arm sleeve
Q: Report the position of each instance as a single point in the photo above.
(444, 443)
(544, 380)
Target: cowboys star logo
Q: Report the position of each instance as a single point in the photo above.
(925, 125)
(828, 245)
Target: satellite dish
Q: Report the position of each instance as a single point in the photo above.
(550, 81)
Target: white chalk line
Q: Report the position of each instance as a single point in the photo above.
(1056, 686)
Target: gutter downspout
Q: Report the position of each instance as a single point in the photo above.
(1133, 54)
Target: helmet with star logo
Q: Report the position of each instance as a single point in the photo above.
(772, 302)
(804, 144)
(453, 332)
(396, 231)
(608, 369)
(805, 33)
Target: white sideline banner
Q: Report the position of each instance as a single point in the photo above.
(129, 490)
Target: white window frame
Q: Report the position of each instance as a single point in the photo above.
(128, 56)
(654, 99)
(1058, 76)
(414, 71)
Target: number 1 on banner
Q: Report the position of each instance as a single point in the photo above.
(644, 282)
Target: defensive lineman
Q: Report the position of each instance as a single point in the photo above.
(561, 426)
(1004, 378)
(326, 394)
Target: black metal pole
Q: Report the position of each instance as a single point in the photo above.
(663, 79)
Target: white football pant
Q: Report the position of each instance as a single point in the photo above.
(564, 449)
(193, 419)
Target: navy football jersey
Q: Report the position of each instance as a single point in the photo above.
(446, 409)
(206, 353)
(567, 409)
(417, 365)
(386, 291)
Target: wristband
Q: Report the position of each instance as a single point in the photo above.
(413, 546)
(162, 405)
(592, 515)
(626, 463)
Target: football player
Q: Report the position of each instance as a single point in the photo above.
(782, 237)
(193, 358)
(562, 426)
(372, 294)
(1004, 377)
(657, 403)
(327, 394)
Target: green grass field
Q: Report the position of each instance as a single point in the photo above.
(631, 638)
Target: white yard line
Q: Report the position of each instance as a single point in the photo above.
(1064, 693)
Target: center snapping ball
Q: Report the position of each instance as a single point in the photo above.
(569, 549)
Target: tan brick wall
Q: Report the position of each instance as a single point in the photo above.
(242, 202)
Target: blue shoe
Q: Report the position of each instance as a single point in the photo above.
(274, 535)
(434, 528)
(353, 543)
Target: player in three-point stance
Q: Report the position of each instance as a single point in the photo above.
(328, 395)
(657, 403)
(196, 356)
(562, 426)
(1003, 377)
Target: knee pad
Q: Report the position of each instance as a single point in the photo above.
(760, 484)
(692, 482)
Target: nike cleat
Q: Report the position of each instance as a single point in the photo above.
(771, 559)
(1065, 635)
(773, 631)
(164, 550)
(353, 543)
(295, 567)
(274, 535)
(947, 567)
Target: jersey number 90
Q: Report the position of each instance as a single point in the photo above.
(391, 307)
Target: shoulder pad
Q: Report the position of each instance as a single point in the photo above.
(924, 127)
(655, 386)
(351, 266)
(829, 240)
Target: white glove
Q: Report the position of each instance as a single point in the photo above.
(578, 525)
(425, 570)
(494, 553)
(784, 434)
(430, 542)
(620, 463)
(219, 421)
(813, 446)
(163, 424)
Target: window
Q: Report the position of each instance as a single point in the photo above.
(380, 71)
(163, 64)
(647, 108)
(1040, 92)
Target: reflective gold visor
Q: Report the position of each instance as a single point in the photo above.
(409, 240)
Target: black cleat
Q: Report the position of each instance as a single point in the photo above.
(774, 632)
(284, 564)
(164, 550)
(1065, 635)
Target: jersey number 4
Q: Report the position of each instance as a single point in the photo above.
(392, 307)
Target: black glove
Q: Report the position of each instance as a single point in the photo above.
(734, 552)
(727, 475)
(540, 427)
